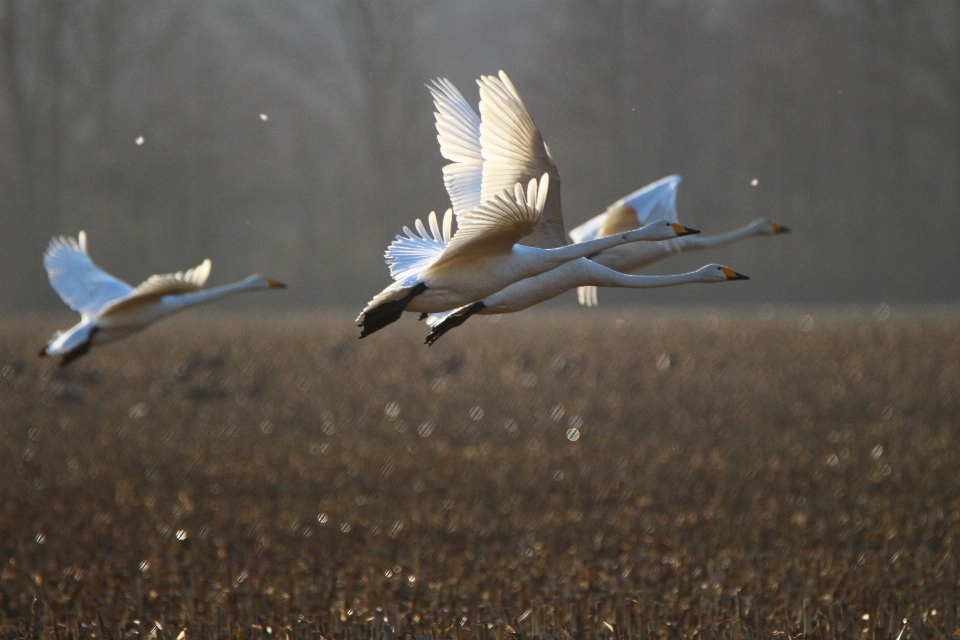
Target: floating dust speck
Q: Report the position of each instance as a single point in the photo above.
(392, 411)
(887, 413)
(882, 312)
(439, 385)
(877, 452)
(138, 411)
(558, 475)
(511, 427)
(476, 413)
(556, 414)
(663, 362)
(833, 460)
(41, 538)
(754, 182)
(573, 434)
(425, 429)
(144, 566)
(264, 117)
(140, 140)
(805, 323)
(266, 427)
(576, 422)
(323, 518)
(345, 527)
(182, 534)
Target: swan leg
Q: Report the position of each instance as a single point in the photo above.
(388, 312)
(79, 350)
(453, 321)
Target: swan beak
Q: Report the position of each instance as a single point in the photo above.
(780, 228)
(682, 230)
(733, 275)
(275, 284)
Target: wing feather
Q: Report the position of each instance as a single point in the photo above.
(655, 202)
(513, 151)
(82, 285)
(166, 284)
(409, 255)
(458, 132)
(499, 223)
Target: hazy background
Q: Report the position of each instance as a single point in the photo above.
(847, 112)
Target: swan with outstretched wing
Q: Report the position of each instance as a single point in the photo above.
(111, 309)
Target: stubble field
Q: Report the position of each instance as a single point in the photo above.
(582, 476)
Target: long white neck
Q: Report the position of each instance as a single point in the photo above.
(184, 300)
(694, 243)
(611, 278)
(556, 257)
(576, 273)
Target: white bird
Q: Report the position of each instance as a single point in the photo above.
(656, 201)
(576, 273)
(435, 272)
(110, 308)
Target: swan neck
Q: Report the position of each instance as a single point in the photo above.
(208, 295)
(706, 242)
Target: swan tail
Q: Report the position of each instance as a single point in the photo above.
(379, 315)
(453, 321)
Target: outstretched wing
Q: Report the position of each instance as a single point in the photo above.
(458, 132)
(409, 255)
(155, 287)
(513, 151)
(82, 285)
(497, 224)
(655, 202)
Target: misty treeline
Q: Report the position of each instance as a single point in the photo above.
(296, 138)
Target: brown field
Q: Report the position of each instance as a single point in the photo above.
(554, 477)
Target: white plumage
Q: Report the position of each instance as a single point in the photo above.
(110, 308)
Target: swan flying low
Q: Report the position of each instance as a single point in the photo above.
(111, 309)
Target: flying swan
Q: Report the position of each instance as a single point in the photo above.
(435, 272)
(111, 309)
(656, 201)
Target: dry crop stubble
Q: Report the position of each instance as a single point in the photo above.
(591, 476)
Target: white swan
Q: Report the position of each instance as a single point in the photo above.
(656, 201)
(526, 293)
(435, 272)
(110, 308)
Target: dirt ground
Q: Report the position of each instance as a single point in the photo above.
(578, 476)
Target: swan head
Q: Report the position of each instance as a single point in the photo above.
(719, 273)
(260, 281)
(665, 230)
(764, 227)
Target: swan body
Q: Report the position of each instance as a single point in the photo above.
(111, 309)
(576, 273)
(435, 272)
(656, 201)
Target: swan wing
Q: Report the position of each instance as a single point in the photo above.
(82, 285)
(497, 224)
(414, 252)
(157, 286)
(458, 132)
(513, 151)
(655, 202)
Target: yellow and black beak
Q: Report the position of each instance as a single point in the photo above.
(275, 284)
(682, 230)
(733, 275)
(780, 228)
